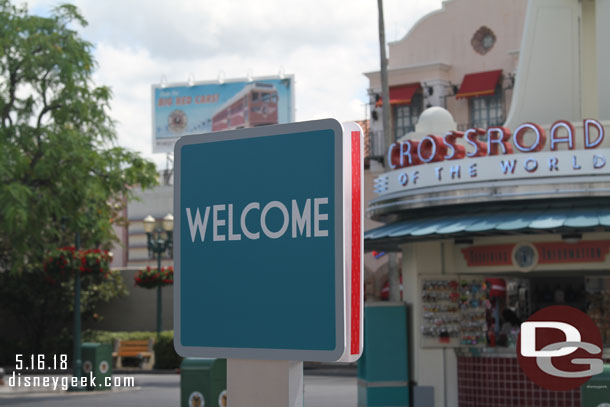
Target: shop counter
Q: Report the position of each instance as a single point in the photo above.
(492, 377)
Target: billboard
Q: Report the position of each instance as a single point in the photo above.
(182, 109)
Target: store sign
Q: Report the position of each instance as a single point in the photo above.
(582, 252)
(489, 255)
(268, 243)
(529, 254)
(436, 161)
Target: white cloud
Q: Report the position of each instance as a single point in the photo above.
(326, 44)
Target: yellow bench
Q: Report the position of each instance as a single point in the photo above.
(141, 350)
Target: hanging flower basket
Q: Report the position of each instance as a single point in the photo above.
(62, 263)
(152, 278)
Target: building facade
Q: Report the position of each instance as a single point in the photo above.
(130, 254)
(462, 57)
(498, 194)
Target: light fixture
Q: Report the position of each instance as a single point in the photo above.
(572, 237)
(149, 224)
(158, 242)
(465, 241)
(168, 222)
(510, 78)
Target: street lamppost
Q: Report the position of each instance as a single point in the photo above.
(159, 238)
(77, 345)
(78, 361)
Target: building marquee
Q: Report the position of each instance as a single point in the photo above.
(434, 161)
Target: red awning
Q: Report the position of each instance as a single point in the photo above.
(479, 84)
(401, 95)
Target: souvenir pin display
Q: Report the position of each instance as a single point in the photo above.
(473, 302)
(441, 319)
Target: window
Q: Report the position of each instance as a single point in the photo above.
(405, 116)
(486, 111)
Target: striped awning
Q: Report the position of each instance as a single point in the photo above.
(528, 221)
(479, 84)
(401, 94)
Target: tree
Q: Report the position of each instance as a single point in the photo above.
(36, 314)
(60, 169)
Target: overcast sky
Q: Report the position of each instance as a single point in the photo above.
(325, 44)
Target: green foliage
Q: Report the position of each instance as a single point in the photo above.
(153, 278)
(62, 263)
(42, 311)
(60, 173)
(165, 355)
(111, 336)
(60, 170)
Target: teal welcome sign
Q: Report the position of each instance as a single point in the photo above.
(260, 243)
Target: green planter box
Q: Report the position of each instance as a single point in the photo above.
(203, 382)
(97, 358)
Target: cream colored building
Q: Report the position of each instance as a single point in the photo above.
(465, 40)
(429, 65)
(516, 227)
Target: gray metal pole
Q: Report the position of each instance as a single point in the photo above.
(394, 280)
(385, 88)
(159, 309)
(78, 361)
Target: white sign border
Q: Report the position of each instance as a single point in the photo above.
(341, 249)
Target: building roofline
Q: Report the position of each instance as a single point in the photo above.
(421, 20)
(439, 65)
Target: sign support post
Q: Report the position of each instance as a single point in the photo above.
(269, 383)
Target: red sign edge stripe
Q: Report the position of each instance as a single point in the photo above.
(356, 243)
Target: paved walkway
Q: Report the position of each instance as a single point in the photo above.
(163, 390)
